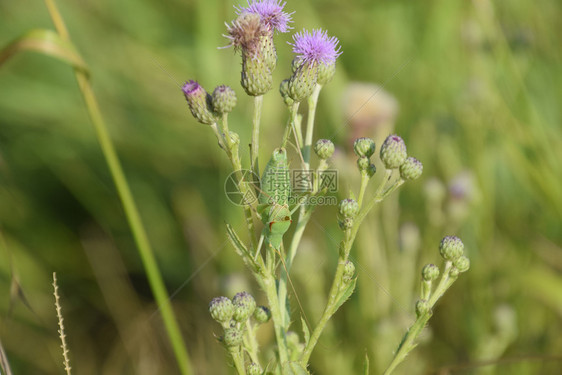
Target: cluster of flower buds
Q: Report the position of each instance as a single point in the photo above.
(349, 208)
(208, 108)
(451, 249)
(393, 154)
(365, 148)
(234, 314)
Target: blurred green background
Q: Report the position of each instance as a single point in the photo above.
(474, 88)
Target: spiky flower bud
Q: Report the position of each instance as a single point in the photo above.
(325, 73)
(313, 50)
(254, 369)
(221, 309)
(262, 314)
(451, 248)
(324, 148)
(345, 223)
(364, 147)
(284, 91)
(349, 208)
(223, 99)
(430, 272)
(363, 163)
(371, 170)
(256, 78)
(462, 264)
(199, 102)
(232, 337)
(411, 169)
(303, 81)
(393, 152)
(348, 271)
(244, 306)
(422, 307)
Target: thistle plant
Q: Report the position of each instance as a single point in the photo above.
(266, 252)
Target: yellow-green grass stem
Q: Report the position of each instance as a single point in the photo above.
(131, 212)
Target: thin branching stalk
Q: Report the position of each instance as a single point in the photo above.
(414, 331)
(62, 336)
(133, 217)
(338, 287)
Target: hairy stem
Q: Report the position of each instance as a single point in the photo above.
(255, 148)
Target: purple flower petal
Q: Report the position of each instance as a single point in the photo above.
(316, 47)
(271, 13)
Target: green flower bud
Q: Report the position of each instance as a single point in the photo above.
(244, 306)
(303, 81)
(393, 152)
(451, 248)
(411, 169)
(233, 337)
(462, 264)
(268, 51)
(262, 314)
(371, 170)
(364, 147)
(430, 272)
(295, 64)
(345, 223)
(284, 90)
(349, 208)
(256, 76)
(253, 369)
(199, 102)
(223, 99)
(454, 272)
(324, 148)
(326, 72)
(363, 163)
(235, 137)
(221, 309)
(422, 307)
(348, 271)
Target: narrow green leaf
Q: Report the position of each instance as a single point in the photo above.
(294, 368)
(346, 294)
(47, 42)
(366, 365)
(241, 249)
(305, 331)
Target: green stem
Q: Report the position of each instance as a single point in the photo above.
(407, 343)
(364, 183)
(251, 343)
(254, 152)
(336, 288)
(131, 212)
(268, 285)
(312, 103)
(238, 358)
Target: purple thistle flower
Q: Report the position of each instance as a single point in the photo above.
(191, 88)
(316, 47)
(270, 12)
